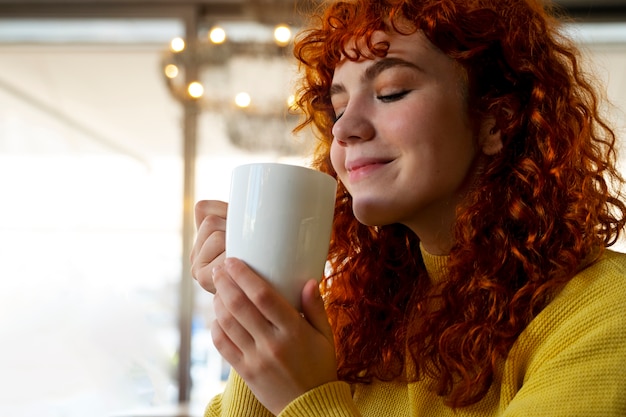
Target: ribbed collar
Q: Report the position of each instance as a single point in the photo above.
(436, 266)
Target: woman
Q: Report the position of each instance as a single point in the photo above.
(477, 198)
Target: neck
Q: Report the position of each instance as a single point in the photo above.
(435, 230)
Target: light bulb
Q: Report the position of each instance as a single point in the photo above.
(291, 101)
(282, 34)
(195, 89)
(217, 35)
(243, 100)
(171, 71)
(177, 44)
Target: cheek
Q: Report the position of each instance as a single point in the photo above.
(337, 158)
(406, 124)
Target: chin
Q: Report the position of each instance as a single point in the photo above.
(372, 216)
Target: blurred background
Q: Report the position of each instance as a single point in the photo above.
(115, 117)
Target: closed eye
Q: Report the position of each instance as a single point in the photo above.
(389, 98)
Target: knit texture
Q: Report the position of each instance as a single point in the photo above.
(570, 361)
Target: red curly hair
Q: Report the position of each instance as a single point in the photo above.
(546, 205)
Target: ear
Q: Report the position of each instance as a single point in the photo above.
(489, 137)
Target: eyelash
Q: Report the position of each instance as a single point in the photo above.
(389, 98)
(392, 97)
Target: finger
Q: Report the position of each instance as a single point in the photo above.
(205, 208)
(210, 256)
(227, 349)
(240, 308)
(210, 245)
(313, 309)
(237, 339)
(210, 218)
(210, 226)
(267, 300)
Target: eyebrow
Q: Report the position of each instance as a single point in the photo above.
(375, 69)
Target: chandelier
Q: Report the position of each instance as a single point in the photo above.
(245, 77)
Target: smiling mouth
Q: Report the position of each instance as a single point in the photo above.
(362, 169)
(365, 164)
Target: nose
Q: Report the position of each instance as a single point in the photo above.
(353, 125)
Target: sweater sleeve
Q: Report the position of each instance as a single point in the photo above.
(574, 362)
(236, 401)
(329, 400)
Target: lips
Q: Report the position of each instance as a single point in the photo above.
(361, 163)
(363, 167)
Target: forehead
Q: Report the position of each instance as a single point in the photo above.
(413, 47)
(412, 44)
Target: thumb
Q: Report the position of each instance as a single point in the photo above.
(313, 309)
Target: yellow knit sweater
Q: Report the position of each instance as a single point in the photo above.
(570, 361)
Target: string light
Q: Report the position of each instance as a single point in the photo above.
(282, 35)
(217, 35)
(263, 125)
(291, 102)
(171, 71)
(243, 100)
(177, 44)
(195, 89)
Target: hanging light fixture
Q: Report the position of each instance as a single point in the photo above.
(245, 77)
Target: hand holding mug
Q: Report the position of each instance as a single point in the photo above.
(279, 223)
(270, 325)
(280, 353)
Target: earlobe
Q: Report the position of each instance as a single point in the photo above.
(490, 137)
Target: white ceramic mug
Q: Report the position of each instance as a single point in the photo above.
(279, 222)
